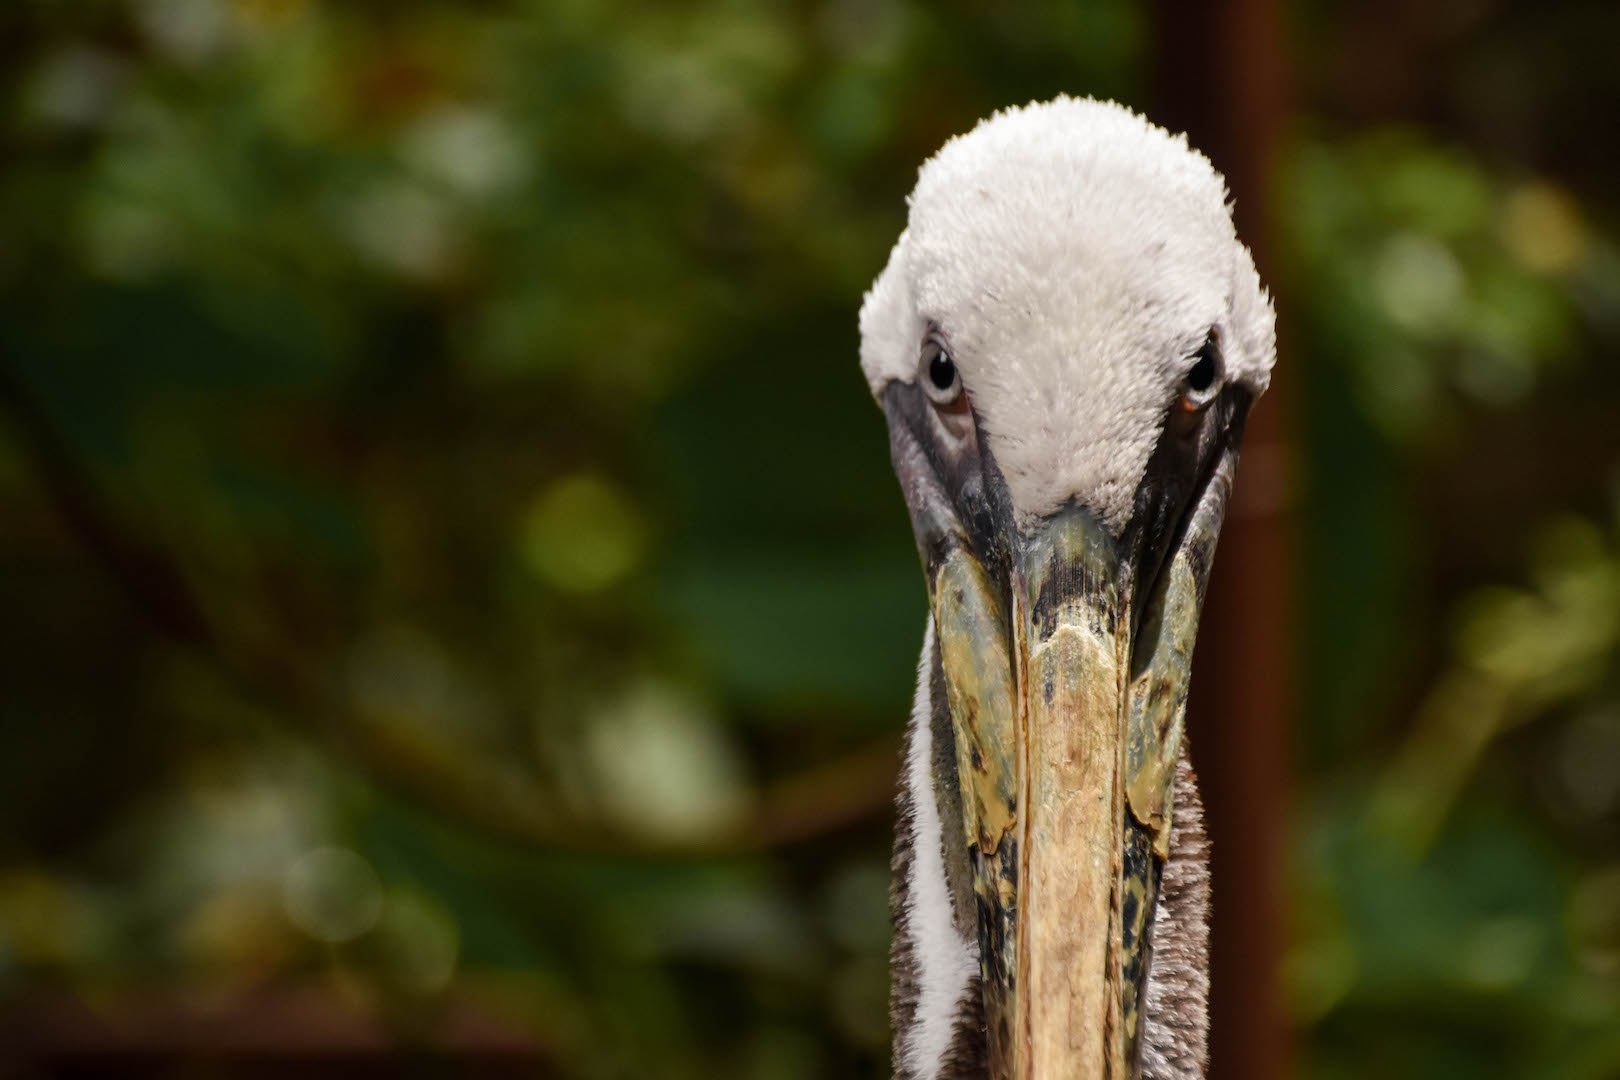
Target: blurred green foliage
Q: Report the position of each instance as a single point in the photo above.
(487, 372)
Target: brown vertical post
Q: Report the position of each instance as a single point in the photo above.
(1219, 75)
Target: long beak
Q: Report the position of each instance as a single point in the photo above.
(1067, 687)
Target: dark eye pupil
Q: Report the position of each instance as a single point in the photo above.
(941, 371)
(1202, 375)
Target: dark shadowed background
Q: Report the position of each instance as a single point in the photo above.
(459, 616)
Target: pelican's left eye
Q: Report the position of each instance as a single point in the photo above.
(938, 375)
(1203, 380)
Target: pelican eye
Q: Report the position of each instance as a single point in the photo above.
(940, 379)
(1203, 380)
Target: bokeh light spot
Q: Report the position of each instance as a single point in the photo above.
(1419, 282)
(332, 894)
(663, 766)
(1542, 227)
(421, 941)
(582, 535)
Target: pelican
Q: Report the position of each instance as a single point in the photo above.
(1065, 343)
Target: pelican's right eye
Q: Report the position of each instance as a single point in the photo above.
(938, 375)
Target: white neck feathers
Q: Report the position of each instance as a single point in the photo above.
(943, 962)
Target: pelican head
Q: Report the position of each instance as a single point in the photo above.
(1065, 343)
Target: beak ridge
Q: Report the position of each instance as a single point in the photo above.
(1067, 716)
